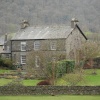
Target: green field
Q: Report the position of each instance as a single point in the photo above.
(58, 97)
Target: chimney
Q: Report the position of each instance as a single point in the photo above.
(73, 22)
(5, 42)
(24, 24)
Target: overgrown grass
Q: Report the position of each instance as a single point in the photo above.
(57, 97)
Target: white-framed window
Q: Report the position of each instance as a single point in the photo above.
(36, 45)
(37, 61)
(23, 59)
(53, 45)
(23, 46)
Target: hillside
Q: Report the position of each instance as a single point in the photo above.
(48, 12)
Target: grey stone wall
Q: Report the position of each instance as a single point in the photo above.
(45, 47)
(50, 90)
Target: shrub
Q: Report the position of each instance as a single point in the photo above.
(45, 82)
(61, 67)
(73, 78)
(65, 67)
(1, 62)
(51, 69)
(6, 63)
(70, 66)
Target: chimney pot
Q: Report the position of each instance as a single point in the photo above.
(73, 22)
(24, 24)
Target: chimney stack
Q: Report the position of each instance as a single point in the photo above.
(5, 42)
(5, 38)
(73, 22)
(24, 24)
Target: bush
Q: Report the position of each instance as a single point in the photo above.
(6, 63)
(51, 70)
(61, 67)
(70, 66)
(65, 67)
(74, 78)
(1, 62)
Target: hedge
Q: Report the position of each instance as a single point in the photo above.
(60, 67)
(65, 67)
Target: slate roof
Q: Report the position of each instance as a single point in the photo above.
(53, 32)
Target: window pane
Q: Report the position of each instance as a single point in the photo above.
(23, 59)
(36, 45)
(37, 61)
(53, 45)
(23, 46)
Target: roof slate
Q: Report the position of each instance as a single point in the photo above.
(53, 32)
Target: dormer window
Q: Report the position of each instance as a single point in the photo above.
(36, 45)
(23, 46)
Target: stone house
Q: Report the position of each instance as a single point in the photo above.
(5, 45)
(53, 42)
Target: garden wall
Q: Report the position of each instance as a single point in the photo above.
(49, 90)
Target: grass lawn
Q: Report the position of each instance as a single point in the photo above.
(30, 82)
(4, 81)
(89, 80)
(25, 82)
(58, 97)
(92, 80)
(4, 71)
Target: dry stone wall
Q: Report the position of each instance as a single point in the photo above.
(50, 90)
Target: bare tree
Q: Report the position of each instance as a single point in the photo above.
(43, 64)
